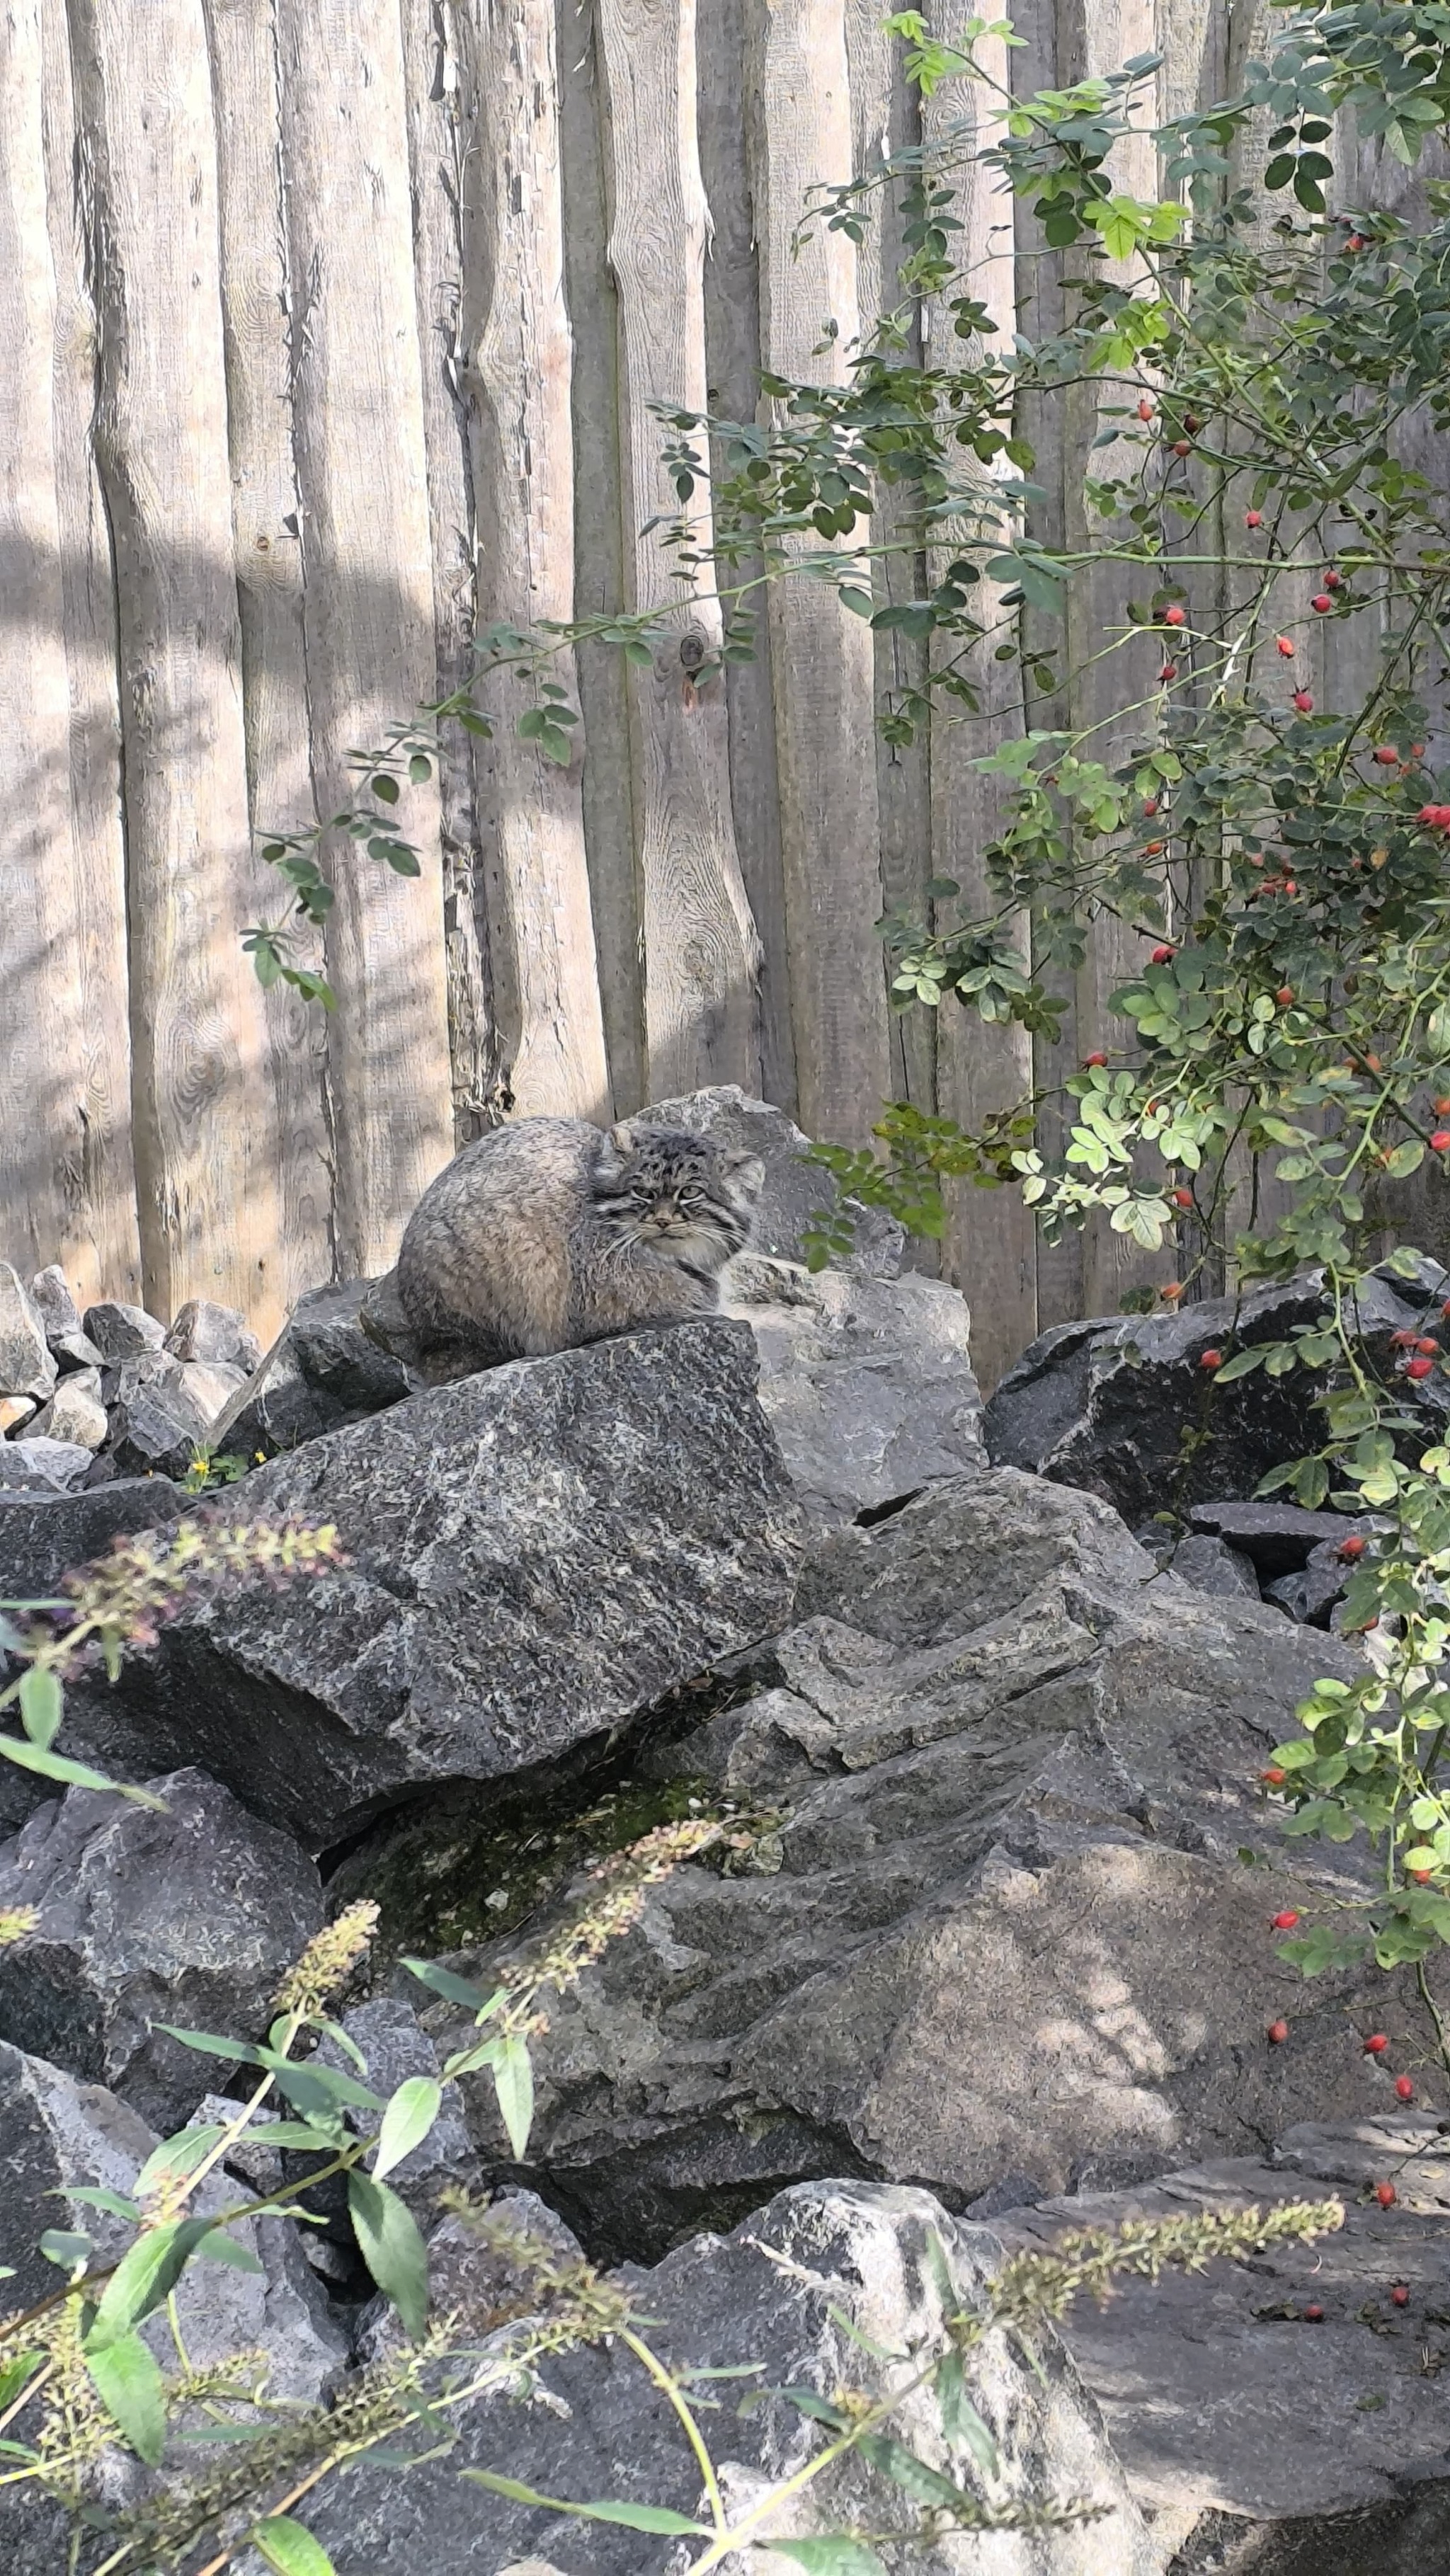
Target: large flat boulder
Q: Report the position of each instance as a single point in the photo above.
(776, 2300)
(533, 1555)
(1121, 1406)
(188, 1914)
(1014, 1914)
(1256, 2433)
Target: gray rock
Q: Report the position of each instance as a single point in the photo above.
(155, 1435)
(36, 1465)
(146, 1373)
(1256, 2438)
(43, 1536)
(331, 1366)
(795, 1191)
(217, 1335)
(205, 1388)
(123, 1332)
(534, 1555)
(26, 1364)
(1002, 1921)
(759, 2300)
(1120, 1406)
(867, 1381)
(51, 1297)
(471, 2280)
(187, 1916)
(1277, 1536)
(15, 1412)
(75, 1411)
(1208, 1565)
(1310, 1596)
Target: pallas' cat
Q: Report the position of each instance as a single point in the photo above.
(548, 1232)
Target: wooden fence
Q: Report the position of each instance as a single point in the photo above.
(329, 334)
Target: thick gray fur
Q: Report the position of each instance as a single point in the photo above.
(548, 1233)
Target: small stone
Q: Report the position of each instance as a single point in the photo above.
(75, 1411)
(123, 1332)
(74, 1351)
(217, 1335)
(14, 1409)
(26, 1364)
(148, 1438)
(205, 1388)
(57, 1308)
(43, 1466)
(1208, 1564)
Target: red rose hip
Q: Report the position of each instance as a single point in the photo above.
(1286, 1921)
(1404, 2088)
(1376, 2044)
(1278, 2032)
(1386, 2194)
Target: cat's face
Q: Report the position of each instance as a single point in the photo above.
(684, 1193)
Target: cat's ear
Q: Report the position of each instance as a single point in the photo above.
(747, 1172)
(621, 1139)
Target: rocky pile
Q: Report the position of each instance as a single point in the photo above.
(85, 1398)
(1013, 1916)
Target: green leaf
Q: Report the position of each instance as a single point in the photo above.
(420, 769)
(406, 2122)
(41, 1705)
(513, 2082)
(315, 2088)
(179, 2155)
(1241, 1365)
(143, 2278)
(635, 2517)
(218, 2247)
(837, 2554)
(63, 2245)
(385, 788)
(130, 2387)
(459, 1990)
(14, 2375)
(289, 2549)
(959, 2418)
(212, 2044)
(73, 1775)
(391, 2247)
(95, 2198)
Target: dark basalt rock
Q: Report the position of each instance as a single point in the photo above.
(533, 1555)
(1121, 1406)
(189, 1915)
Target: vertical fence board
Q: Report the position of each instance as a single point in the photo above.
(266, 534)
(368, 593)
(93, 848)
(440, 127)
(732, 366)
(699, 942)
(205, 1148)
(798, 113)
(991, 1242)
(609, 783)
(42, 1061)
(516, 334)
(884, 119)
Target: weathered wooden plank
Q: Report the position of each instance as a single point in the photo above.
(798, 113)
(42, 1076)
(701, 953)
(205, 1150)
(368, 592)
(518, 363)
(66, 1191)
(885, 118)
(732, 366)
(267, 539)
(442, 131)
(991, 1241)
(1106, 672)
(609, 785)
